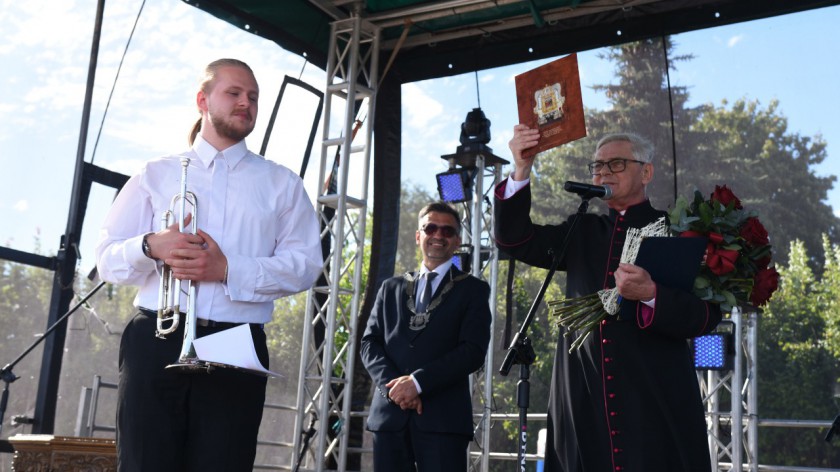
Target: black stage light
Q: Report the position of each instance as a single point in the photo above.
(462, 259)
(715, 351)
(475, 129)
(455, 185)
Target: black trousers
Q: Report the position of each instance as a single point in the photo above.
(174, 421)
(413, 450)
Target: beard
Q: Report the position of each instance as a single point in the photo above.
(227, 128)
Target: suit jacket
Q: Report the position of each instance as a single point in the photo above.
(441, 356)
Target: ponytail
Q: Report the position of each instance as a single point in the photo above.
(194, 132)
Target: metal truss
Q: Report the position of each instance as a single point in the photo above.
(478, 233)
(329, 337)
(733, 431)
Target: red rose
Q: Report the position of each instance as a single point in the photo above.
(725, 196)
(765, 283)
(720, 261)
(754, 233)
(715, 238)
(762, 263)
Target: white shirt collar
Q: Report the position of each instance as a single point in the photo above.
(441, 270)
(206, 152)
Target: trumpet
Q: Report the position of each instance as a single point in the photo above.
(169, 312)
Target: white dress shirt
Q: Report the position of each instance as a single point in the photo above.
(514, 186)
(441, 271)
(265, 225)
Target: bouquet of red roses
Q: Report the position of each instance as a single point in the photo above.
(736, 269)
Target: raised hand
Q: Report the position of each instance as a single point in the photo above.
(523, 138)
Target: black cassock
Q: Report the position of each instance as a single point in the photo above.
(628, 400)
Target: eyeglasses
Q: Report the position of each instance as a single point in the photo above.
(445, 230)
(614, 165)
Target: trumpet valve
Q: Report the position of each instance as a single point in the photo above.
(167, 315)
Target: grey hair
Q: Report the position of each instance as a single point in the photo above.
(641, 148)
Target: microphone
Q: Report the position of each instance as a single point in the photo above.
(587, 191)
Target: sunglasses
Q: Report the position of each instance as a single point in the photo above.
(446, 231)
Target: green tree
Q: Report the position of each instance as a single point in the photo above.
(24, 301)
(745, 146)
(412, 199)
(797, 370)
(770, 169)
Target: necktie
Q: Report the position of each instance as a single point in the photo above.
(423, 301)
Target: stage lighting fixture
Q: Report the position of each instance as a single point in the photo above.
(475, 129)
(715, 351)
(462, 258)
(456, 185)
(475, 134)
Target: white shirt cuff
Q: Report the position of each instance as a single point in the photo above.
(514, 186)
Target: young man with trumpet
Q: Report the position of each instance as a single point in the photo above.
(256, 239)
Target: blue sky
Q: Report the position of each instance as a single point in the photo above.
(45, 49)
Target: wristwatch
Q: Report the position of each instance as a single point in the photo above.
(147, 248)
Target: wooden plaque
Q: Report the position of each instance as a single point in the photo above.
(549, 98)
(44, 452)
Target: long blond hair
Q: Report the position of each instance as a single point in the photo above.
(207, 82)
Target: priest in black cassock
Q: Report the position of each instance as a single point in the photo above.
(628, 399)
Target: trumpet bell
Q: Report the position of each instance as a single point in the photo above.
(191, 366)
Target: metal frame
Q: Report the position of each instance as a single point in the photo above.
(88, 405)
(326, 368)
(326, 373)
(742, 415)
(480, 237)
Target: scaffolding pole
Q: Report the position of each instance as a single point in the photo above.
(325, 379)
(734, 448)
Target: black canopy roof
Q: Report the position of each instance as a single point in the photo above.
(456, 36)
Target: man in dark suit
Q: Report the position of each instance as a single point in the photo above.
(420, 347)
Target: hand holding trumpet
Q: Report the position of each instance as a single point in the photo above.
(195, 257)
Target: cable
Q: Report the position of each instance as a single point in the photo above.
(303, 67)
(114, 85)
(671, 106)
(477, 90)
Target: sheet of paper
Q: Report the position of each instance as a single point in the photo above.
(233, 346)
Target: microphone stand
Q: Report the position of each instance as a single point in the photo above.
(835, 428)
(6, 374)
(522, 352)
(307, 435)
